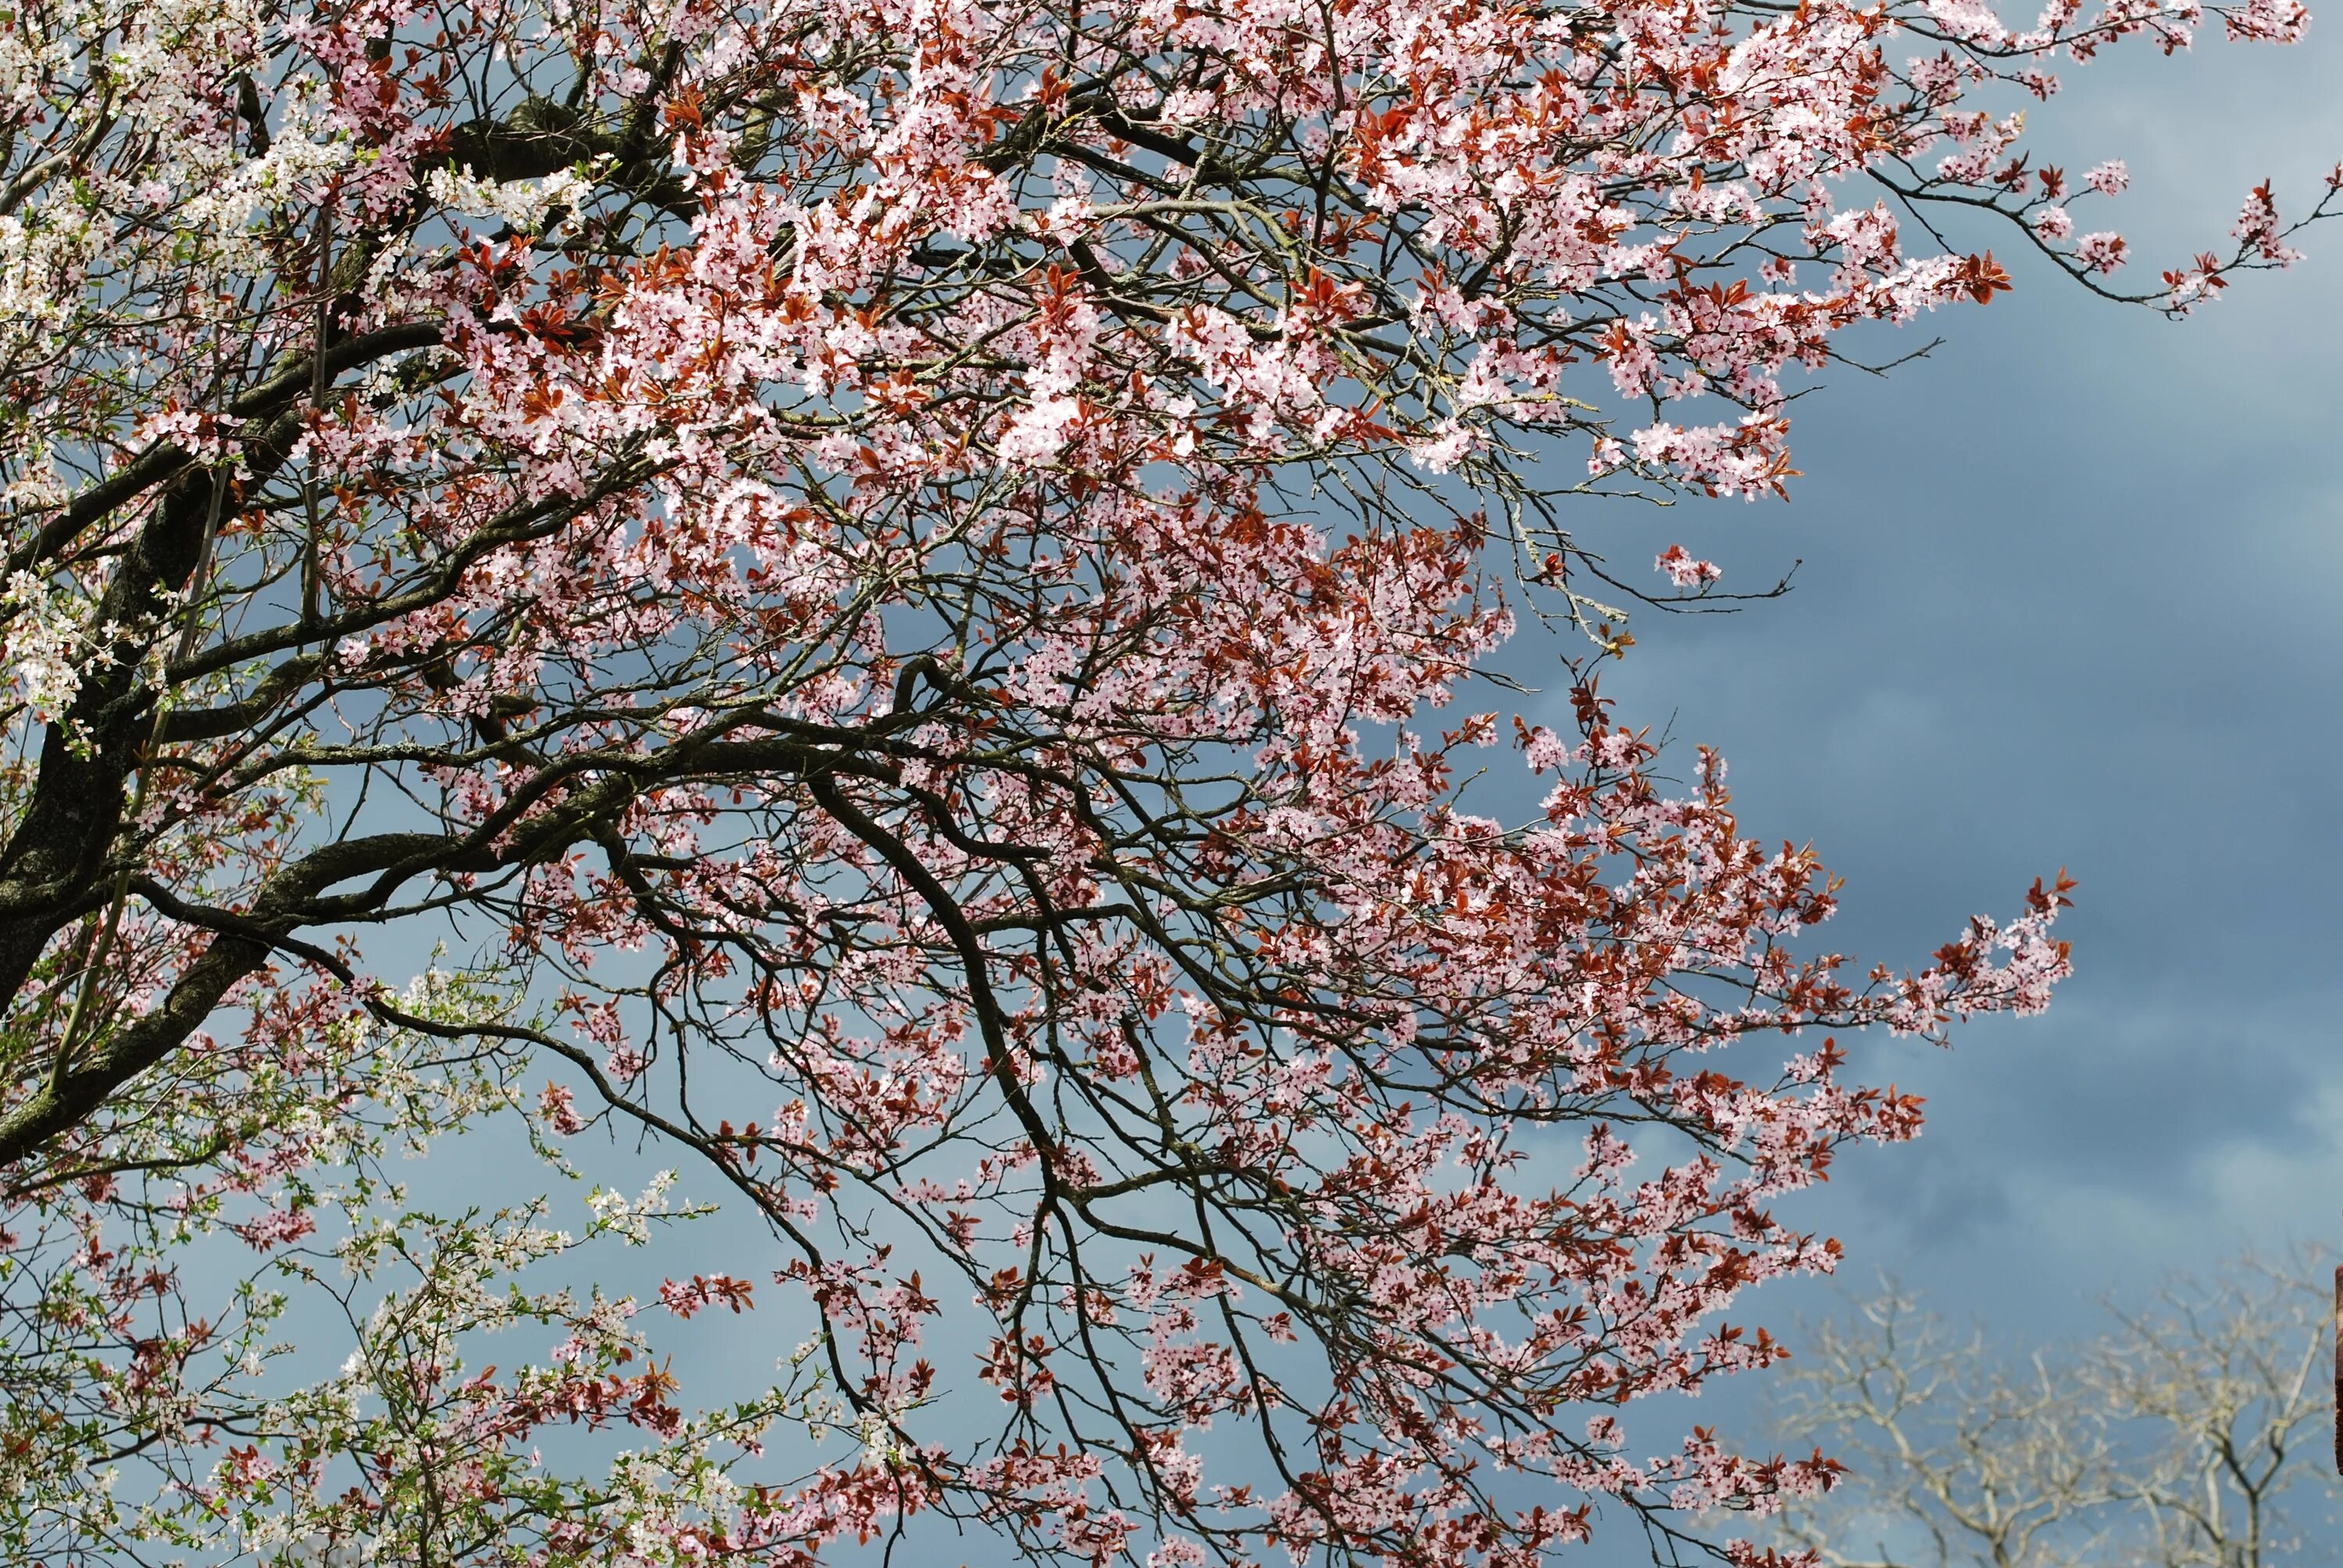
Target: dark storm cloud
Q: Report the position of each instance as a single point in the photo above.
(2073, 594)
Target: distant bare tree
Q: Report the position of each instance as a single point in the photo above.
(2230, 1374)
(1954, 1459)
(2183, 1435)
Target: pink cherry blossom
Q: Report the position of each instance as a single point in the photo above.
(878, 619)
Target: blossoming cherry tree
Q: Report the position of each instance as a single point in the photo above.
(906, 592)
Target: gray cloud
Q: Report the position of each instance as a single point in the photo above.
(2070, 596)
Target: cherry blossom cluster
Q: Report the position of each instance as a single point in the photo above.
(910, 587)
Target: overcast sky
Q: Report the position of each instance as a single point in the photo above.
(2071, 597)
